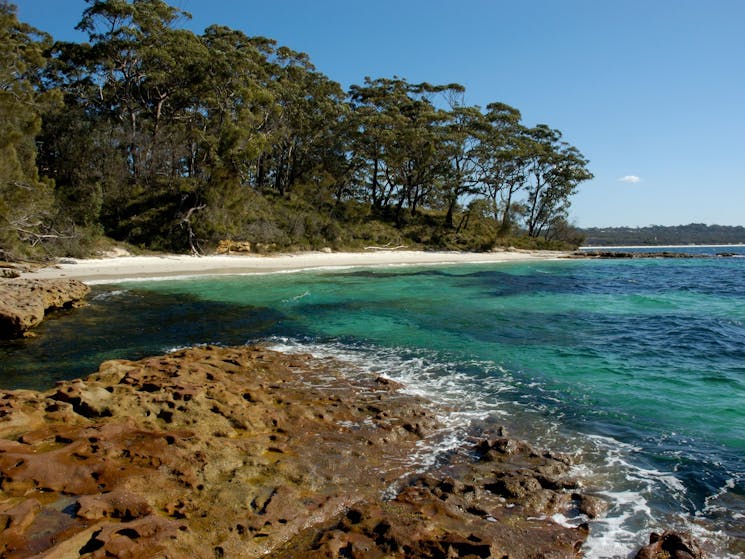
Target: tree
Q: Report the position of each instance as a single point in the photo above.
(25, 197)
(146, 88)
(139, 64)
(305, 125)
(400, 141)
(227, 135)
(174, 141)
(555, 169)
(501, 156)
(461, 132)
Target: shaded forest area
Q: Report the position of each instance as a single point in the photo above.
(156, 136)
(655, 235)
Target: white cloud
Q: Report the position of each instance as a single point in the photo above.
(631, 179)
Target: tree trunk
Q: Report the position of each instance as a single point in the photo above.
(399, 210)
(505, 225)
(260, 173)
(132, 148)
(451, 210)
(463, 224)
(374, 187)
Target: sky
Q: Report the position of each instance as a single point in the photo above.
(652, 92)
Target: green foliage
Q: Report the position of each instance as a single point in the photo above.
(170, 140)
(555, 170)
(25, 197)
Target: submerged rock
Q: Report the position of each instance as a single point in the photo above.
(244, 452)
(24, 302)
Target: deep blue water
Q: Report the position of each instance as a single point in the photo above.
(638, 367)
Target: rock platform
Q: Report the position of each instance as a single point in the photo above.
(24, 302)
(217, 452)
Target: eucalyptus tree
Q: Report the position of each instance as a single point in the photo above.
(76, 145)
(25, 197)
(140, 65)
(401, 142)
(372, 131)
(555, 169)
(228, 134)
(501, 158)
(461, 132)
(183, 115)
(136, 83)
(270, 124)
(305, 126)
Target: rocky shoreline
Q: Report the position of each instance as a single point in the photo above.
(25, 302)
(618, 254)
(245, 452)
(215, 452)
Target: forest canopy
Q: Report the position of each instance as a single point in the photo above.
(156, 136)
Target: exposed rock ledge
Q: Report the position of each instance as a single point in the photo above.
(23, 302)
(244, 452)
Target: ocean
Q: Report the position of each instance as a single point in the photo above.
(636, 367)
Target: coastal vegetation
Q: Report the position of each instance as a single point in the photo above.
(166, 139)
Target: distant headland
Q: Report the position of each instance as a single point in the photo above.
(659, 235)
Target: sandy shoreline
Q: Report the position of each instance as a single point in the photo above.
(114, 269)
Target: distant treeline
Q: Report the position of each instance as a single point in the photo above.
(694, 233)
(154, 135)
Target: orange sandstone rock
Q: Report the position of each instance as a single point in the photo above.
(23, 302)
(243, 452)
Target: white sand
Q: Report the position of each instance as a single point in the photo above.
(107, 270)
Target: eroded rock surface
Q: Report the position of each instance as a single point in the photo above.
(671, 545)
(23, 302)
(478, 504)
(243, 452)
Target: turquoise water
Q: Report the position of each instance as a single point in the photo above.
(638, 367)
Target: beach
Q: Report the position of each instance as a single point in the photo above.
(103, 270)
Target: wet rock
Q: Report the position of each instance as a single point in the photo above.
(24, 302)
(534, 482)
(514, 485)
(493, 450)
(418, 524)
(672, 545)
(590, 506)
(244, 452)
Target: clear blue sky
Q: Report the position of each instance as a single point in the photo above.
(651, 91)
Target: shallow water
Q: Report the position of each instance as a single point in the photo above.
(636, 366)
